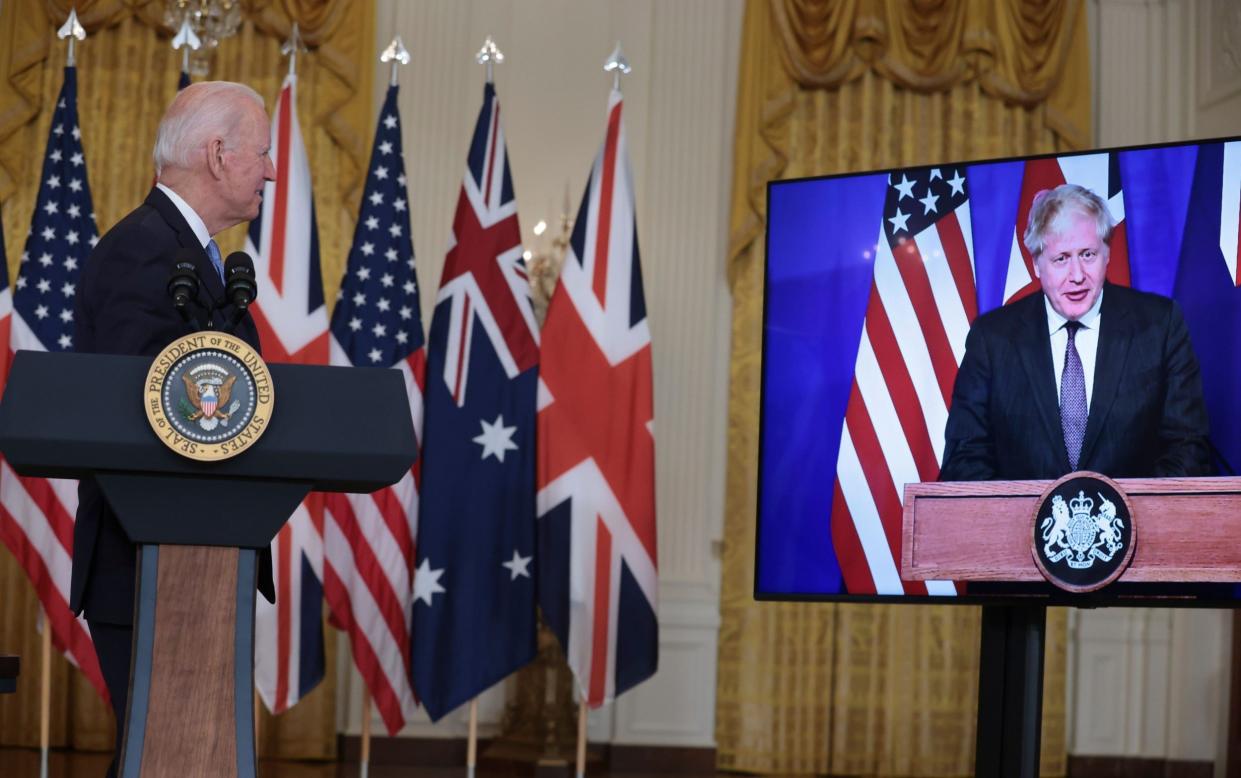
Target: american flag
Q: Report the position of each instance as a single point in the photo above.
(293, 325)
(1097, 172)
(474, 592)
(37, 514)
(922, 302)
(596, 501)
(368, 538)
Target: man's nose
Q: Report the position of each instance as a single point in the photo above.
(269, 169)
(1077, 271)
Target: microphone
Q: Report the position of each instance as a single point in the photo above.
(183, 285)
(240, 288)
(239, 285)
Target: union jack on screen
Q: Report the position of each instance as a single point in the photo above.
(1099, 173)
(474, 592)
(368, 541)
(598, 575)
(37, 514)
(293, 326)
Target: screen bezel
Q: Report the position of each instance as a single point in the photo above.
(1108, 596)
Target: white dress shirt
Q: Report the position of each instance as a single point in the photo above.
(196, 222)
(1087, 342)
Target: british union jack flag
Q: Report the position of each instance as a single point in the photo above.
(598, 569)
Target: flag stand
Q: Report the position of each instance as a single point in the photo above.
(365, 757)
(45, 695)
(471, 749)
(581, 740)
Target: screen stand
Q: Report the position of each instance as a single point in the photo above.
(1010, 691)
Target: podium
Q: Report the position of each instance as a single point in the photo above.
(200, 525)
(1187, 531)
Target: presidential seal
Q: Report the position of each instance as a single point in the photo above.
(208, 396)
(1083, 532)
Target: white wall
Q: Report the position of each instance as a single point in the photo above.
(679, 109)
(1154, 682)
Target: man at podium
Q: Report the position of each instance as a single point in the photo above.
(1085, 376)
(211, 159)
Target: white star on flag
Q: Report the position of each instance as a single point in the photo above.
(899, 221)
(957, 183)
(928, 202)
(496, 438)
(905, 187)
(518, 566)
(427, 582)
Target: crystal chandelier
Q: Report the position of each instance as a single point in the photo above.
(210, 20)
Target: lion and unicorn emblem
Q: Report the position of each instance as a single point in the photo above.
(1077, 535)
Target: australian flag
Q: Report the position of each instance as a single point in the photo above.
(1206, 287)
(474, 593)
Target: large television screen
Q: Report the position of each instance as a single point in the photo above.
(872, 282)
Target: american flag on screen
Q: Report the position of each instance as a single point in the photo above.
(368, 541)
(922, 302)
(598, 571)
(474, 593)
(293, 325)
(1098, 172)
(37, 514)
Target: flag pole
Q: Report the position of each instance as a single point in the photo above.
(617, 65)
(186, 40)
(45, 694)
(365, 759)
(471, 749)
(581, 739)
(395, 55)
(488, 56)
(292, 47)
(258, 710)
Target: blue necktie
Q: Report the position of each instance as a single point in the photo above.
(1073, 397)
(213, 251)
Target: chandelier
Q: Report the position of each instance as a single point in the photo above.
(209, 21)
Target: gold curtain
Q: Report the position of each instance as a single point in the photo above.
(127, 74)
(831, 86)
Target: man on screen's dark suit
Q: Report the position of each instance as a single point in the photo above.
(211, 154)
(1085, 376)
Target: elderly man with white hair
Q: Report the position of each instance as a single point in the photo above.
(1085, 376)
(211, 158)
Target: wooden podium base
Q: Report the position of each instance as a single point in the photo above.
(191, 709)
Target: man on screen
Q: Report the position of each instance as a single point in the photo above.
(211, 159)
(1085, 376)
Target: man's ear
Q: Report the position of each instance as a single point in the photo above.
(1034, 264)
(215, 157)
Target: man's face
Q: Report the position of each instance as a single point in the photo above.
(247, 165)
(1073, 265)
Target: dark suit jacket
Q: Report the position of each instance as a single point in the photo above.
(1147, 416)
(123, 308)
